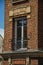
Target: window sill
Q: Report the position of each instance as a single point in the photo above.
(18, 1)
(21, 49)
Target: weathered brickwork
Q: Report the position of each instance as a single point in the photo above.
(32, 28)
(8, 26)
(32, 25)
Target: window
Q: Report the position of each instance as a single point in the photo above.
(20, 33)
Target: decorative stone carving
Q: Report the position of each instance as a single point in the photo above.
(24, 10)
(19, 11)
(10, 13)
(10, 19)
(28, 16)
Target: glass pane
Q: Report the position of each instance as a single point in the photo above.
(18, 44)
(24, 22)
(18, 33)
(19, 23)
(25, 33)
(21, 33)
(24, 43)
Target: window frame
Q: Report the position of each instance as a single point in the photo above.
(22, 35)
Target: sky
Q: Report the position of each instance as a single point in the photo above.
(2, 17)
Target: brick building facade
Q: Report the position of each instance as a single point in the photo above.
(23, 32)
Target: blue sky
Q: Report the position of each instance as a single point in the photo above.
(2, 17)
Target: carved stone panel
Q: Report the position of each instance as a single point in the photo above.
(20, 11)
(23, 10)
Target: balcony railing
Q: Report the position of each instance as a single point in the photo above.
(18, 1)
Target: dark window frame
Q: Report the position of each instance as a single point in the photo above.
(24, 40)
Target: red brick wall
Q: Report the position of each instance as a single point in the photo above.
(5, 62)
(19, 61)
(8, 26)
(34, 62)
(32, 25)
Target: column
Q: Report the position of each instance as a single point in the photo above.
(9, 61)
(27, 61)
